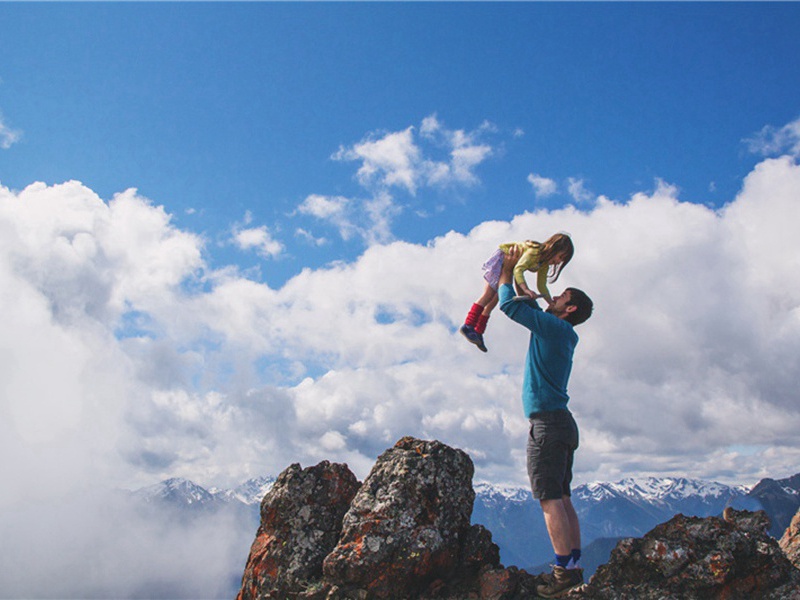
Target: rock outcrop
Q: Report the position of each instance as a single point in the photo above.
(790, 542)
(697, 558)
(406, 525)
(405, 533)
(301, 519)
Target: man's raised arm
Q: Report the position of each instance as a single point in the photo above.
(521, 312)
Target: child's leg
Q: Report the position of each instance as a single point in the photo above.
(489, 307)
(488, 299)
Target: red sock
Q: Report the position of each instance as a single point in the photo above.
(474, 315)
(481, 326)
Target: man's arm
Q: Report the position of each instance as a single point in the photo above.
(526, 262)
(505, 289)
(527, 314)
(510, 260)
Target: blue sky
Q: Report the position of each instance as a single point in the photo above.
(225, 110)
(238, 236)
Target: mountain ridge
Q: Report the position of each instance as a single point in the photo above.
(629, 507)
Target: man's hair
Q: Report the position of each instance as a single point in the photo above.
(583, 306)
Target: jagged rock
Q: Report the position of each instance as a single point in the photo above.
(405, 534)
(790, 542)
(408, 523)
(692, 558)
(508, 583)
(301, 519)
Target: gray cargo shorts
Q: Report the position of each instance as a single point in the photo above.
(552, 441)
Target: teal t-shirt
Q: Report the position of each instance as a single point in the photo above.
(550, 350)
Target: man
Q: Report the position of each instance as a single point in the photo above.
(553, 436)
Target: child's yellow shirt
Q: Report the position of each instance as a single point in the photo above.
(529, 261)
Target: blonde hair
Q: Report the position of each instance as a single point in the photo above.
(552, 247)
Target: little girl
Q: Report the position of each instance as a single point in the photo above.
(547, 259)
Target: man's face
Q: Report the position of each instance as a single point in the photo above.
(559, 305)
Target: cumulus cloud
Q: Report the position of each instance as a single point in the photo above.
(126, 359)
(466, 152)
(395, 162)
(259, 239)
(336, 210)
(389, 160)
(542, 186)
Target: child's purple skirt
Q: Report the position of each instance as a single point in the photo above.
(492, 269)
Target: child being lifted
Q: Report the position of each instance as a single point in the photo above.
(547, 259)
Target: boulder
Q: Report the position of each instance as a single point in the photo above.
(692, 558)
(408, 522)
(301, 519)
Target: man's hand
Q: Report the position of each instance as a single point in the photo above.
(509, 262)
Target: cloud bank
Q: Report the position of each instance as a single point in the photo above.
(126, 359)
(199, 373)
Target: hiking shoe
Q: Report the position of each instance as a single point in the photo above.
(468, 331)
(560, 582)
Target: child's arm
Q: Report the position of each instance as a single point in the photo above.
(541, 283)
(527, 262)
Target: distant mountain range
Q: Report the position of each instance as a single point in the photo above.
(183, 493)
(627, 508)
(607, 511)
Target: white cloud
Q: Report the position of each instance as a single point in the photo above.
(399, 159)
(336, 210)
(772, 141)
(309, 237)
(369, 219)
(542, 186)
(323, 207)
(577, 189)
(389, 160)
(258, 238)
(126, 360)
(8, 136)
(466, 152)
(383, 326)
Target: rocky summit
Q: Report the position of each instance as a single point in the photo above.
(405, 533)
(301, 519)
(725, 558)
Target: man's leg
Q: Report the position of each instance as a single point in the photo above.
(550, 459)
(559, 525)
(574, 525)
(562, 526)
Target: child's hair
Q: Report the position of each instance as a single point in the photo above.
(556, 244)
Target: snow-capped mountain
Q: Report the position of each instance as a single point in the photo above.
(176, 491)
(182, 492)
(660, 490)
(630, 507)
(493, 494)
(626, 508)
(250, 492)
